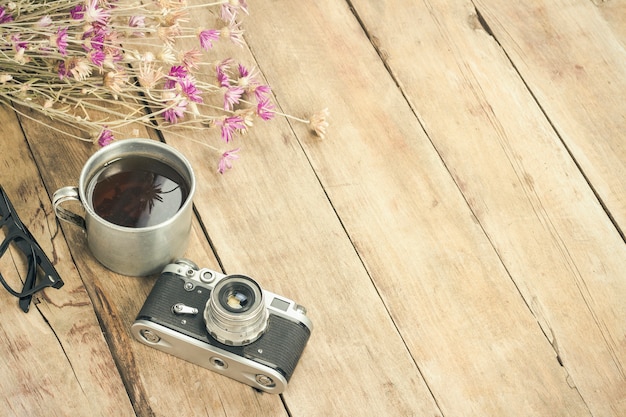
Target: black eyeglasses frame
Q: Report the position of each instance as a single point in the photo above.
(20, 236)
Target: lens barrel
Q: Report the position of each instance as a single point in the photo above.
(235, 313)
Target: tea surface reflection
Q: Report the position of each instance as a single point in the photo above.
(137, 192)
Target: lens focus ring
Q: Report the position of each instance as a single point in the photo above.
(235, 313)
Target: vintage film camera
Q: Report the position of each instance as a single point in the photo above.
(225, 323)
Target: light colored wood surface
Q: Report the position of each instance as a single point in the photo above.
(458, 238)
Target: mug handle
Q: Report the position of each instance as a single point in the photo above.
(66, 194)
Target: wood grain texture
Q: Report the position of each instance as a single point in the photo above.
(575, 66)
(152, 378)
(614, 12)
(520, 182)
(457, 239)
(56, 361)
(490, 134)
(442, 279)
(270, 218)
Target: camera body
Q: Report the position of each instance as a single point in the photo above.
(225, 323)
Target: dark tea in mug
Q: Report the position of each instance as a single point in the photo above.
(137, 191)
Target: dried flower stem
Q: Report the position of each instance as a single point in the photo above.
(74, 59)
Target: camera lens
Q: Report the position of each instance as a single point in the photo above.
(236, 297)
(235, 313)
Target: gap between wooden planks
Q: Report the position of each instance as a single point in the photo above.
(573, 61)
(55, 357)
(549, 230)
(157, 383)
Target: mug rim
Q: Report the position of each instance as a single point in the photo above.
(87, 173)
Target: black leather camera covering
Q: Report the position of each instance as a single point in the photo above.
(280, 346)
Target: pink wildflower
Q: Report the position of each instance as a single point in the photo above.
(225, 161)
(191, 58)
(77, 12)
(222, 72)
(175, 111)
(18, 43)
(80, 68)
(243, 71)
(97, 57)
(265, 109)
(62, 70)
(222, 78)
(4, 16)
(138, 22)
(207, 37)
(225, 65)
(230, 9)
(233, 32)
(229, 126)
(94, 38)
(190, 90)
(176, 73)
(60, 39)
(95, 14)
(106, 137)
(44, 22)
(261, 91)
(247, 78)
(232, 97)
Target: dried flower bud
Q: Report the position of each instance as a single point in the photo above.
(318, 123)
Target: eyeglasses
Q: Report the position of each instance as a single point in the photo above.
(24, 244)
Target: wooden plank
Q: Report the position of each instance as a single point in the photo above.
(270, 218)
(575, 66)
(476, 343)
(614, 12)
(549, 230)
(158, 384)
(54, 357)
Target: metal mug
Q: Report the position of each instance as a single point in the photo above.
(133, 251)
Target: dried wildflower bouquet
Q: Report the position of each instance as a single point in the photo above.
(119, 60)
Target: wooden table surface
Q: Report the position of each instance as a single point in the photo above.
(458, 238)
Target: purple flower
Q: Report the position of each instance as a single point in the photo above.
(97, 57)
(261, 92)
(190, 90)
(61, 40)
(265, 109)
(222, 72)
(176, 73)
(94, 38)
(63, 71)
(222, 78)
(106, 137)
(176, 111)
(232, 97)
(207, 37)
(243, 71)
(4, 16)
(229, 125)
(77, 12)
(225, 161)
(17, 43)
